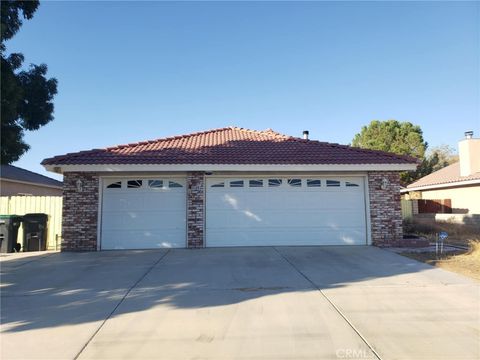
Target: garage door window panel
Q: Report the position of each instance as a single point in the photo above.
(174, 184)
(351, 184)
(155, 184)
(333, 183)
(114, 185)
(236, 183)
(255, 183)
(314, 183)
(295, 182)
(275, 182)
(134, 184)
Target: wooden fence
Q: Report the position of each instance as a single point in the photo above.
(435, 206)
(50, 205)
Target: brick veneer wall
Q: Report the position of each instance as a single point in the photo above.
(195, 209)
(80, 212)
(385, 208)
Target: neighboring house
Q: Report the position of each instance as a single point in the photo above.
(16, 181)
(457, 184)
(230, 187)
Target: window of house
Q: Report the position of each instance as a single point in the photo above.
(348, 183)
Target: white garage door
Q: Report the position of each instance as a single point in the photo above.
(143, 213)
(285, 211)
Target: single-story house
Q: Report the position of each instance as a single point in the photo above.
(17, 181)
(230, 187)
(459, 183)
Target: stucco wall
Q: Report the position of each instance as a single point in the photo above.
(9, 188)
(465, 199)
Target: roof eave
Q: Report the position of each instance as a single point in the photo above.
(32, 183)
(59, 168)
(442, 185)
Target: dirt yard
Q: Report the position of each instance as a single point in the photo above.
(465, 262)
(458, 234)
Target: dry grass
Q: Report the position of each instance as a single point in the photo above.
(458, 234)
(462, 262)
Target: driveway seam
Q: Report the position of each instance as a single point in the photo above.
(119, 303)
(331, 303)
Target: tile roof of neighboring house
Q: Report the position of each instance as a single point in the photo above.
(449, 174)
(230, 145)
(10, 172)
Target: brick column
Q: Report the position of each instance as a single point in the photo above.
(80, 212)
(195, 209)
(385, 208)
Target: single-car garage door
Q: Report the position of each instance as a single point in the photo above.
(285, 211)
(143, 213)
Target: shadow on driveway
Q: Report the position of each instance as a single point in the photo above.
(74, 288)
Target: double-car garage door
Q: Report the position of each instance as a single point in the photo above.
(263, 211)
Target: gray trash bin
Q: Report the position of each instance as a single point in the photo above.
(9, 225)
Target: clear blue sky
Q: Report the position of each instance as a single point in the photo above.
(132, 71)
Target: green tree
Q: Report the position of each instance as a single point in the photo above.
(397, 137)
(26, 94)
(394, 136)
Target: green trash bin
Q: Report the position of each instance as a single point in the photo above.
(9, 225)
(35, 232)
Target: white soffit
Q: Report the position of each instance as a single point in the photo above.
(229, 167)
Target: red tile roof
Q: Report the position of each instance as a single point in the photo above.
(447, 175)
(230, 145)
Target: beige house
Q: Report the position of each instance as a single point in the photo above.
(458, 183)
(15, 181)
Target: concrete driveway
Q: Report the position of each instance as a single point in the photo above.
(243, 303)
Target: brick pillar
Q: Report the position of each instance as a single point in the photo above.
(385, 208)
(80, 212)
(195, 209)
